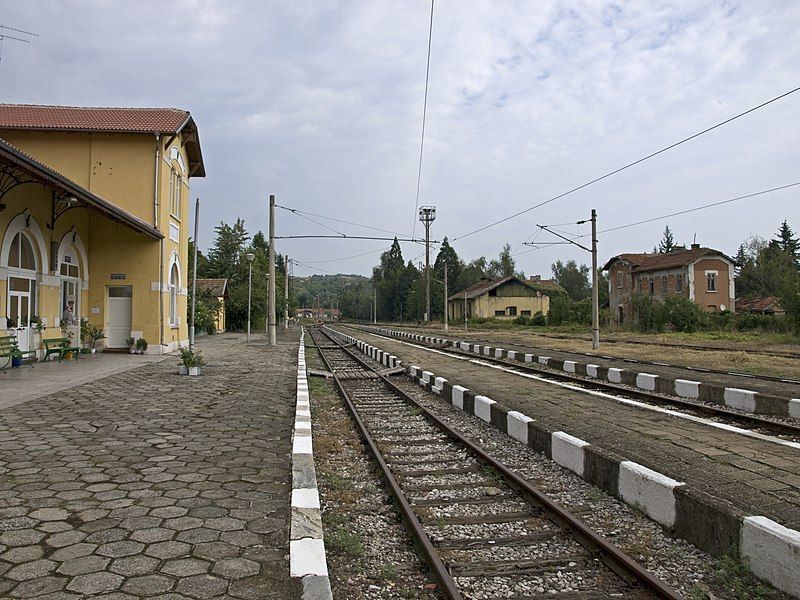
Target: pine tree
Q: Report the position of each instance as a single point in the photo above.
(667, 243)
(788, 242)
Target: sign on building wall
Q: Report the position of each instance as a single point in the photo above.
(118, 276)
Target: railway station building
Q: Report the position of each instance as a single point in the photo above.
(703, 275)
(94, 223)
(505, 298)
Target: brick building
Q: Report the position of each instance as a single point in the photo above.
(702, 275)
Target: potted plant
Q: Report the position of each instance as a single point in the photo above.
(141, 346)
(38, 325)
(95, 335)
(191, 362)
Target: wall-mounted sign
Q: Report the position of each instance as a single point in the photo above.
(95, 310)
(118, 276)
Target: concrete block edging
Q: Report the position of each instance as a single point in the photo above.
(308, 565)
(771, 550)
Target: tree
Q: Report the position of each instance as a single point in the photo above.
(388, 279)
(447, 255)
(573, 278)
(766, 269)
(788, 243)
(471, 274)
(504, 265)
(667, 243)
(226, 252)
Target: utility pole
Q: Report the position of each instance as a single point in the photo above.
(194, 273)
(374, 306)
(595, 290)
(445, 295)
(593, 251)
(286, 294)
(273, 334)
(427, 214)
(465, 309)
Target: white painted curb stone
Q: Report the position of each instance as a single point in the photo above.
(567, 451)
(650, 490)
(772, 552)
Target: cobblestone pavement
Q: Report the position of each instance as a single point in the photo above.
(757, 477)
(146, 484)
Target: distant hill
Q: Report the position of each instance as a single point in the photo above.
(333, 290)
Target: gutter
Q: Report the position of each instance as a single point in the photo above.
(156, 212)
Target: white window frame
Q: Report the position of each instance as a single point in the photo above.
(711, 276)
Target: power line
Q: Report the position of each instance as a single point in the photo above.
(630, 164)
(299, 212)
(316, 262)
(349, 237)
(677, 213)
(424, 115)
(321, 224)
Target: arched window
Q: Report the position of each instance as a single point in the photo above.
(174, 282)
(21, 254)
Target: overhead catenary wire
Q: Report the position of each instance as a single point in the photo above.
(630, 164)
(674, 214)
(300, 212)
(424, 117)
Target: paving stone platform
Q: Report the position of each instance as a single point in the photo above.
(146, 484)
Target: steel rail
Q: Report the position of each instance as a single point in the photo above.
(753, 376)
(622, 564)
(441, 574)
(604, 386)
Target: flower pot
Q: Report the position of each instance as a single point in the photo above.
(184, 370)
(194, 370)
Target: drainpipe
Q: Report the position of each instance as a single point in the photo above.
(156, 212)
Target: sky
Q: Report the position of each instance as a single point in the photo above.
(320, 103)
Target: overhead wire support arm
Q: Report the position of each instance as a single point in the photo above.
(568, 241)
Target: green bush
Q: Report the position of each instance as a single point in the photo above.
(644, 310)
(522, 320)
(680, 314)
(559, 310)
(539, 320)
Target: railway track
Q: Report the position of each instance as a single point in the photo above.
(756, 423)
(751, 376)
(484, 531)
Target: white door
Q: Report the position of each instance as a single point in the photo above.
(20, 308)
(118, 328)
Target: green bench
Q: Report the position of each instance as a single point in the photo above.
(59, 347)
(9, 349)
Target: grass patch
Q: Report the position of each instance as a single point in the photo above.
(335, 482)
(734, 580)
(340, 537)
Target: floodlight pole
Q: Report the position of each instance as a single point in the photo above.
(194, 273)
(374, 306)
(465, 309)
(427, 214)
(273, 334)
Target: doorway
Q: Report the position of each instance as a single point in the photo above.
(118, 328)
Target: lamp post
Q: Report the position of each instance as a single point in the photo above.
(250, 256)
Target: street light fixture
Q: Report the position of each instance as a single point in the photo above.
(249, 256)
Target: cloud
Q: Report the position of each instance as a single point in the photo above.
(321, 103)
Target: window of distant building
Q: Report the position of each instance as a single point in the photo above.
(512, 311)
(619, 279)
(711, 280)
(664, 286)
(678, 283)
(652, 286)
(499, 313)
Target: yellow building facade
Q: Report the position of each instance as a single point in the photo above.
(505, 298)
(94, 223)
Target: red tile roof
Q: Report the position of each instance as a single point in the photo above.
(768, 304)
(77, 118)
(670, 260)
(214, 287)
